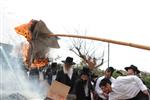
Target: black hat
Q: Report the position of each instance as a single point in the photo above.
(69, 60)
(135, 69)
(94, 75)
(54, 64)
(85, 71)
(110, 69)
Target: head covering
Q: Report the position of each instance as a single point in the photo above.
(94, 75)
(85, 71)
(110, 69)
(69, 60)
(54, 65)
(134, 68)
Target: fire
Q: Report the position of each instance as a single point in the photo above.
(39, 63)
(24, 30)
(39, 42)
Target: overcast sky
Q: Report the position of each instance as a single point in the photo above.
(123, 20)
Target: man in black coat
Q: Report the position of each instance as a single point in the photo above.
(51, 72)
(83, 87)
(68, 75)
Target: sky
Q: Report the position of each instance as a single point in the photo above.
(122, 20)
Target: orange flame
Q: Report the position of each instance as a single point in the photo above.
(24, 30)
(39, 63)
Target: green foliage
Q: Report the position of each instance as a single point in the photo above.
(146, 79)
(115, 74)
(98, 72)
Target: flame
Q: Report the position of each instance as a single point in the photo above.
(24, 30)
(33, 61)
(39, 63)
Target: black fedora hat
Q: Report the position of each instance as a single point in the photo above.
(110, 69)
(85, 71)
(134, 68)
(54, 64)
(93, 75)
(69, 60)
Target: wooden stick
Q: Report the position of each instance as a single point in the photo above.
(104, 40)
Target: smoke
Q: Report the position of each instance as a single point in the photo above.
(15, 83)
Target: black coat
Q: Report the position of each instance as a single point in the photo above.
(79, 90)
(63, 78)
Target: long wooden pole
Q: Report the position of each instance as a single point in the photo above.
(104, 40)
(108, 54)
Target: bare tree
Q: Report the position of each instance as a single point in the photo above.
(86, 51)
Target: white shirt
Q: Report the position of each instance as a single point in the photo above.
(41, 76)
(98, 89)
(126, 87)
(68, 72)
(53, 77)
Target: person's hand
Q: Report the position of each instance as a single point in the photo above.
(145, 92)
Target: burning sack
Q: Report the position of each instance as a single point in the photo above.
(37, 34)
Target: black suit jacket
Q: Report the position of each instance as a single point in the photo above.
(79, 90)
(64, 78)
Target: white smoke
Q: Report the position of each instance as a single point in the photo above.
(14, 81)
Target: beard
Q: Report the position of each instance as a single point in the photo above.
(84, 82)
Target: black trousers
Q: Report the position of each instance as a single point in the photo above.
(140, 96)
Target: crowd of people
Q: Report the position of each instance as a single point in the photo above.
(85, 86)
